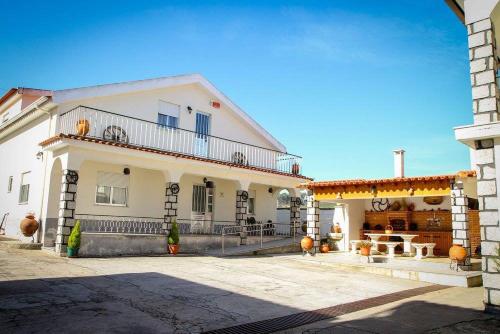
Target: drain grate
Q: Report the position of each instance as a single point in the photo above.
(304, 318)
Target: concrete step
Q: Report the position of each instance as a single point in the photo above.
(271, 247)
(439, 273)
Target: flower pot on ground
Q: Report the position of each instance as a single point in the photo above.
(173, 239)
(82, 127)
(74, 241)
(306, 243)
(324, 248)
(365, 247)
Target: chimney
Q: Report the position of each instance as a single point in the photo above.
(399, 163)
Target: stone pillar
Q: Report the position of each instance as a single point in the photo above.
(489, 204)
(295, 203)
(241, 213)
(313, 222)
(485, 95)
(67, 207)
(171, 196)
(483, 65)
(460, 221)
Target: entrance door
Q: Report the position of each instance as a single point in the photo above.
(202, 134)
(202, 209)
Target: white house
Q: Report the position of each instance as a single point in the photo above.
(482, 19)
(131, 157)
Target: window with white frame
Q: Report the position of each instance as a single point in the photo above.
(9, 184)
(251, 202)
(168, 114)
(24, 189)
(5, 117)
(112, 189)
(199, 199)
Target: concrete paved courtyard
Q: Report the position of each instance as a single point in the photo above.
(40, 293)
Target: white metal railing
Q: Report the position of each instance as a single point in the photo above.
(138, 132)
(290, 230)
(207, 227)
(120, 224)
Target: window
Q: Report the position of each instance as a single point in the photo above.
(168, 114)
(199, 199)
(9, 184)
(112, 189)
(5, 117)
(24, 190)
(251, 202)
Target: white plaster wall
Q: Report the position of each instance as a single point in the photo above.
(18, 155)
(146, 193)
(478, 10)
(144, 105)
(12, 110)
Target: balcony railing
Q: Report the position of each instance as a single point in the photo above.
(133, 131)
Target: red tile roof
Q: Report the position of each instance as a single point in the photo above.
(358, 182)
(178, 155)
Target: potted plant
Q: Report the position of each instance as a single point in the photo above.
(173, 239)
(365, 247)
(74, 241)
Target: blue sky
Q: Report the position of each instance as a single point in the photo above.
(341, 83)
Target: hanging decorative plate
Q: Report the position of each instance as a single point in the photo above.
(380, 204)
(174, 188)
(244, 195)
(71, 177)
(298, 201)
(433, 200)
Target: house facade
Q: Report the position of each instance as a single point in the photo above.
(482, 19)
(133, 157)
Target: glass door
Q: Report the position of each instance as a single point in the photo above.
(202, 130)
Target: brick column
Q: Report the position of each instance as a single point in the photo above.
(460, 221)
(295, 203)
(482, 50)
(485, 95)
(171, 196)
(241, 213)
(67, 207)
(313, 222)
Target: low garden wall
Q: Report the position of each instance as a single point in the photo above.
(116, 244)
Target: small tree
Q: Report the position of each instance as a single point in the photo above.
(173, 238)
(74, 237)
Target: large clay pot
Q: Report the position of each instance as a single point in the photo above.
(307, 243)
(28, 225)
(82, 127)
(365, 251)
(337, 229)
(324, 248)
(457, 252)
(173, 249)
(389, 229)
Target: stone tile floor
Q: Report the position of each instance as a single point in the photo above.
(42, 293)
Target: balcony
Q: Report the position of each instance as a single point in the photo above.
(135, 132)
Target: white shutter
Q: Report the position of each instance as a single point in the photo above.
(170, 109)
(112, 179)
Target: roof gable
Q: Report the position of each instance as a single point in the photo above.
(67, 95)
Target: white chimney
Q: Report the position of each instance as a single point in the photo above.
(399, 163)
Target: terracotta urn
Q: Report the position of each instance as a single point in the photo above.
(28, 225)
(324, 248)
(306, 243)
(365, 251)
(336, 228)
(82, 127)
(457, 252)
(389, 229)
(173, 249)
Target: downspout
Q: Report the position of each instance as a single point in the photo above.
(40, 230)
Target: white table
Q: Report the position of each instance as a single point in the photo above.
(406, 240)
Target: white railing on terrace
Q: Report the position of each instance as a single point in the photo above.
(137, 132)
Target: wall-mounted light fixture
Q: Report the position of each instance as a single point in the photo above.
(189, 109)
(373, 190)
(270, 190)
(339, 196)
(39, 155)
(126, 171)
(411, 191)
(208, 184)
